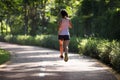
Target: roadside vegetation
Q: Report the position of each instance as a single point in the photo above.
(4, 56)
(107, 51)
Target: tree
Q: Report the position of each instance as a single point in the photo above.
(98, 17)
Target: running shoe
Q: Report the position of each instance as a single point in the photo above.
(66, 57)
(61, 56)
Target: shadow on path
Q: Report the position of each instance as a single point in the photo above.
(36, 63)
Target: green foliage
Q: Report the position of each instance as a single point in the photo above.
(88, 47)
(100, 17)
(34, 17)
(82, 44)
(21, 39)
(10, 38)
(107, 25)
(49, 41)
(77, 29)
(52, 42)
(73, 46)
(104, 49)
(4, 56)
(87, 6)
(115, 55)
(51, 28)
(2, 38)
(114, 29)
(17, 26)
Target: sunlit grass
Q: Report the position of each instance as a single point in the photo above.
(4, 56)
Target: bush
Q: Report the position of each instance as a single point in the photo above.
(39, 40)
(115, 55)
(50, 41)
(10, 38)
(2, 38)
(82, 44)
(73, 46)
(25, 39)
(88, 47)
(104, 49)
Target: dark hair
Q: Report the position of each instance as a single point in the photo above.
(64, 13)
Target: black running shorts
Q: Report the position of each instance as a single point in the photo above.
(63, 37)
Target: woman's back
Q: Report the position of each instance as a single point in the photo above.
(64, 26)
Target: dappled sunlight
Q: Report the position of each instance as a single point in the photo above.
(6, 46)
(71, 65)
(18, 75)
(44, 51)
(46, 74)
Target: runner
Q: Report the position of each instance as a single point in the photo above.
(63, 34)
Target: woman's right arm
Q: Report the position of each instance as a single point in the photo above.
(59, 26)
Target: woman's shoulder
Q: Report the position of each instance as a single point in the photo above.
(68, 19)
(64, 19)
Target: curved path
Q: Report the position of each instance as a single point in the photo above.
(36, 63)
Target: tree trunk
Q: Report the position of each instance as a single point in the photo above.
(26, 20)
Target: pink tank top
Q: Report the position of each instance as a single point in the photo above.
(64, 27)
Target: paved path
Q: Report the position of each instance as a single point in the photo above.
(36, 63)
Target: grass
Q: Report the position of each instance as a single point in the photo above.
(4, 56)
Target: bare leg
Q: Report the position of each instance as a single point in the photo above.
(61, 46)
(66, 44)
